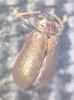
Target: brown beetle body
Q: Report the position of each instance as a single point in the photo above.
(29, 60)
(37, 59)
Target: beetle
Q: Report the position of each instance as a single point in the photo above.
(37, 59)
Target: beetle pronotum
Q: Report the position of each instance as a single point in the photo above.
(37, 59)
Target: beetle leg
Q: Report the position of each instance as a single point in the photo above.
(30, 27)
(25, 26)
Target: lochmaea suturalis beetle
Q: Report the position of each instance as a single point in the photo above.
(37, 59)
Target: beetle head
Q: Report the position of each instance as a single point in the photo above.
(46, 26)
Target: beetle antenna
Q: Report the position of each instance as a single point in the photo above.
(27, 13)
(61, 24)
